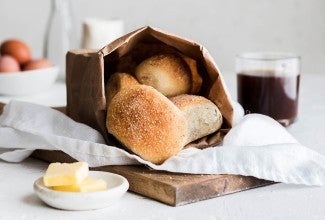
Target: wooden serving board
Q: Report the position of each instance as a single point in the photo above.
(171, 188)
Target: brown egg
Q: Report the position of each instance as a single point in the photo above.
(17, 49)
(8, 64)
(37, 64)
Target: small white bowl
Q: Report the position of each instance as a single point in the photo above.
(27, 82)
(116, 186)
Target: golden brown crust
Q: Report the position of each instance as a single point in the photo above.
(168, 73)
(185, 100)
(116, 83)
(147, 123)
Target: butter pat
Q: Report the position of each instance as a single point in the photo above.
(87, 185)
(61, 174)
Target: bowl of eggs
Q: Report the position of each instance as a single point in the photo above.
(20, 73)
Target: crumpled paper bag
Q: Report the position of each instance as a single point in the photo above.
(89, 70)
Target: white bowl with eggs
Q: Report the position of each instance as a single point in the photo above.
(27, 82)
(20, 73)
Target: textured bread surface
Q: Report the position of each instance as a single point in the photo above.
(202, 116)
(147, 123)
(168, 73)
(117, 82)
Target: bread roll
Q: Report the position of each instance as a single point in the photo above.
(147, 123)
(168, 73)
(202, 116)
(196, 78)
(116, 83)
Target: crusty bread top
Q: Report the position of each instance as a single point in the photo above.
(185, 100)
(147, 123)
(168, 73)
(116, 83)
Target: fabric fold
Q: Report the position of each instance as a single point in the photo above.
(257, 146)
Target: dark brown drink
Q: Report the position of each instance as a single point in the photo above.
(267, 93)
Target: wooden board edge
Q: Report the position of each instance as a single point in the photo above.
(144, 186)
(209, 189)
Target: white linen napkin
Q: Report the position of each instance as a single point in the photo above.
(257, 146)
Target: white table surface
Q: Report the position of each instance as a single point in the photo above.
(278, 201)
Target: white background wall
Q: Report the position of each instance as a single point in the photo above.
(224, 27)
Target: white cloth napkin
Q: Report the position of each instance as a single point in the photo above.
(257, 146)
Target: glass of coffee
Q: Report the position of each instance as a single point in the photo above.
(268, 83)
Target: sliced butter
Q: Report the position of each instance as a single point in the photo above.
(87, 185)
(61, 174)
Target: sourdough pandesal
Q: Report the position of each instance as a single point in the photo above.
(202, 116)
(147, 123)
(168, 73)
(116, 83)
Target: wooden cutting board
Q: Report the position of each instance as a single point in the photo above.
(171, 188)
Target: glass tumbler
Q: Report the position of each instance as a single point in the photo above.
(268, 83)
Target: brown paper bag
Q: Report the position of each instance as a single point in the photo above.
(88, 71)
